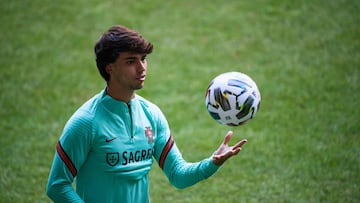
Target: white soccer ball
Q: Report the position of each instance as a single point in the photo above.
(232, 98)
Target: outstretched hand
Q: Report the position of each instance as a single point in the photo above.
(224, 152)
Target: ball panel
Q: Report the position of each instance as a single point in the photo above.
(245, 108)
(221, 99)
(214, 115)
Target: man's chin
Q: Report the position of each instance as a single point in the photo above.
(138, 87)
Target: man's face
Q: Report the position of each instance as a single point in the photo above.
(128, 72)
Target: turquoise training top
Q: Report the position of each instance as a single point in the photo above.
(108, 146)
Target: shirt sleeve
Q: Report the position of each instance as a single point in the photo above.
(180, 173)
(71, 152)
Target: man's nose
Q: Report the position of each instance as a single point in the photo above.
(141, 65)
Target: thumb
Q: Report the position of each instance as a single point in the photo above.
(228, 137)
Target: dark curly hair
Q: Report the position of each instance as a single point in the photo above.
(116, 40)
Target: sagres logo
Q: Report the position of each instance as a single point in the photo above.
(149, 134)
(112, 158)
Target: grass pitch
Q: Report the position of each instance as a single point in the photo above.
(304, 55)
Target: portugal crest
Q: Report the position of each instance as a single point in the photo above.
(112, 158)
(149, 134)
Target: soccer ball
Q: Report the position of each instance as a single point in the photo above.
(232, 98)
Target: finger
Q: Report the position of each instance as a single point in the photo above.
(236, 151)
(232, 152)
(240, 143)
(228, 137)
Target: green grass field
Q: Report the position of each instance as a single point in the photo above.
(304, 55)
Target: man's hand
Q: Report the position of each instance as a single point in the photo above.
(224, 152)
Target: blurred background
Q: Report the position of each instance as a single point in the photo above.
(304, 55)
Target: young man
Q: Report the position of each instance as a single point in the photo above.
(109, 142)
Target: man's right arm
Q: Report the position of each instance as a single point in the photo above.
(71, 152)
(59, 187)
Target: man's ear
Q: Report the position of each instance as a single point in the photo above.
(109, 68)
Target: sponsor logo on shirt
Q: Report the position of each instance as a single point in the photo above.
(128, 157)
(112, 158)
(131, 156)
(136, 156)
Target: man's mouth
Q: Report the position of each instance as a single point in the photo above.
(141, 78)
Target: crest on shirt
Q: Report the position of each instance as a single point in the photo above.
(112, 158)
(149, 134)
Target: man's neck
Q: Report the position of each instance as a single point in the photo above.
(120, 94)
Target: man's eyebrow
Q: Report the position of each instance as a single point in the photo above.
(134, 57)
(130, 57)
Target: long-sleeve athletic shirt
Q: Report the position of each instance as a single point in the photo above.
(107, 148)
